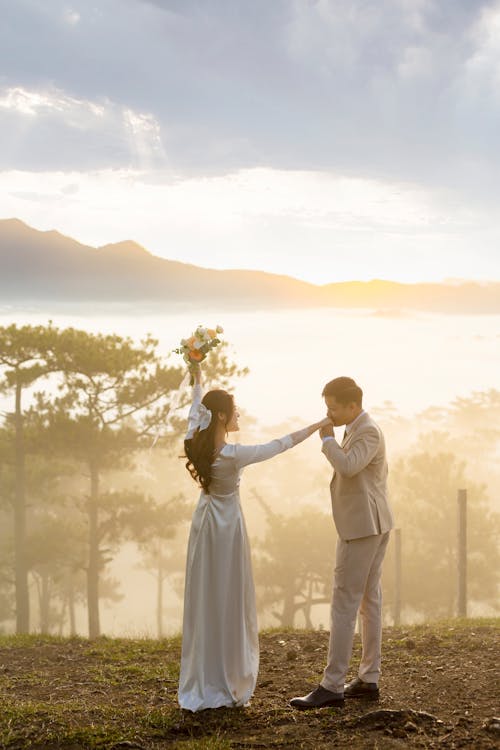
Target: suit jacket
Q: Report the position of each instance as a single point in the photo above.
(359, 485)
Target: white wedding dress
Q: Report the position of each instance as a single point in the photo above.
(220, 647)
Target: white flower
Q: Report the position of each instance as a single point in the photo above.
(203, 338)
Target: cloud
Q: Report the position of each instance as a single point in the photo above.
(396, 91)
(47, 129)
(290, 81)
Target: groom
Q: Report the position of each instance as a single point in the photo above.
(363, 520)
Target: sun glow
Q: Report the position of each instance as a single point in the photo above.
(316, 226)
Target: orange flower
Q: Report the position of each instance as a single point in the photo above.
(196, 355)
(190, 342)
(211, 333)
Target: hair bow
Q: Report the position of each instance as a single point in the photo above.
(201, 418)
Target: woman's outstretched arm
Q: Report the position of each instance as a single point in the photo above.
(300, 435)
(253, 454)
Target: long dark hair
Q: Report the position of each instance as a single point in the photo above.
(200, 448)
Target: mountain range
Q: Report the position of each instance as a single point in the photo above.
(47, 268)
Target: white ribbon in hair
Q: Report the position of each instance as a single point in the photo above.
(200, 418)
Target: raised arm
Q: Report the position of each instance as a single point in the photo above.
(253, 454)
(193, 412)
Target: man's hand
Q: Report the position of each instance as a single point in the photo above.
(326, 430)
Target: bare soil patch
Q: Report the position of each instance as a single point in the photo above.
(440, 689)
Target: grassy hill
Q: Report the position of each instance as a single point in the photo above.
(438, 691)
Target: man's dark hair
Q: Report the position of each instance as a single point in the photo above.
(344, 390)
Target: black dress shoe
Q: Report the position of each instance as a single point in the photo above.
(319, 698)
(359, 689)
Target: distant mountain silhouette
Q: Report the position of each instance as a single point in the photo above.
(47, 267)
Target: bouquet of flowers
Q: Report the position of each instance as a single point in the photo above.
(196, 347)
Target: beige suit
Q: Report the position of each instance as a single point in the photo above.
(363, 520)
(359, 484)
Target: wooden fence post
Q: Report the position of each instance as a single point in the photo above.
(397, 578)
(462, 554)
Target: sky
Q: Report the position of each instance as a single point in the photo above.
(323, 139)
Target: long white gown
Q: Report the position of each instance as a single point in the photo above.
(220, 647)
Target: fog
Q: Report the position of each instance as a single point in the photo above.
(431, 384)
(411, 359)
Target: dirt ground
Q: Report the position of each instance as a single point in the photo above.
(440, 689)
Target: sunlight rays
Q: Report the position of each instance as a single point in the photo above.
(134, 137)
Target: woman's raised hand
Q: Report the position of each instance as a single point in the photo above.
(195, 371)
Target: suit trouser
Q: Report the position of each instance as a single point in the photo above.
(358, 569)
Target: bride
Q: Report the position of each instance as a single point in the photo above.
(220, 647)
